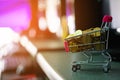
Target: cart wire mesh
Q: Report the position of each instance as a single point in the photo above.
(90, 42)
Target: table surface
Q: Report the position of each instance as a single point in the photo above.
(61, 62)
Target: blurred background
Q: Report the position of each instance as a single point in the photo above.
(45, 18)
(48, 19)
(46, 23)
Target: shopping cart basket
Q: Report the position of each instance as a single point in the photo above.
(89, 44)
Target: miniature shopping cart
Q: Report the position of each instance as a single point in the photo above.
(89, 44)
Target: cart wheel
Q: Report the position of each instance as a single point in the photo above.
(78, 66)
(107, 68)
(74, 68)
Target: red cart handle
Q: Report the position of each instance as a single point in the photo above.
(66, 46)
(107, 18)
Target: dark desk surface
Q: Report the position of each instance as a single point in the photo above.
(62, 63)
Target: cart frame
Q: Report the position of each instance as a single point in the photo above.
(90, 48)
